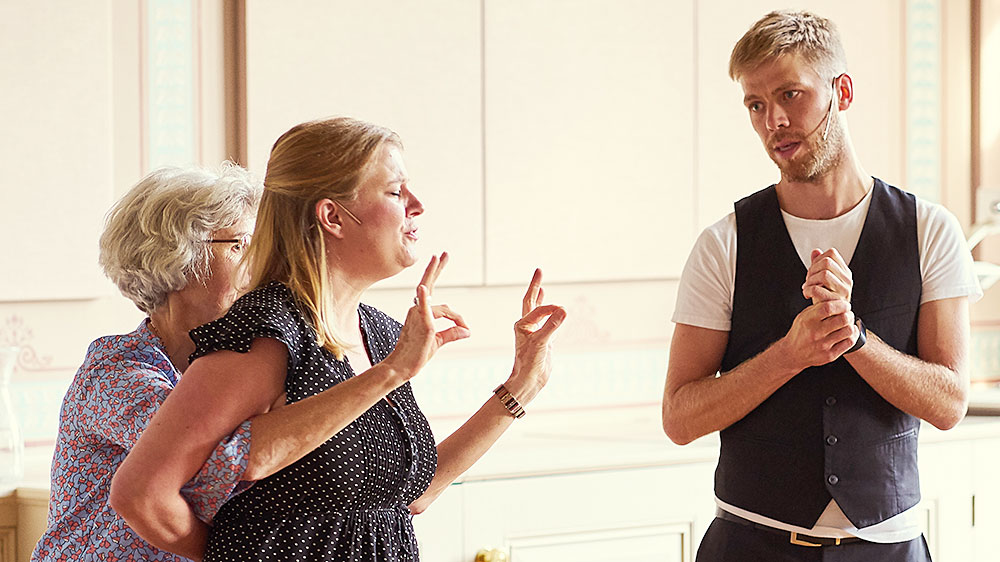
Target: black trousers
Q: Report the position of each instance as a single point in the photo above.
(726, 541)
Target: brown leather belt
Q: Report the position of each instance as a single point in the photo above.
(793, 537)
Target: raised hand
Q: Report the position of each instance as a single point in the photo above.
(821, 333)
(828, 277)
(532, 342)
(419, 340)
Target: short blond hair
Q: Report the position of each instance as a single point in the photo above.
(154, 237)
(324, 159)
(790, 32)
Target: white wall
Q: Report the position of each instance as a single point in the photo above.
(593, 138)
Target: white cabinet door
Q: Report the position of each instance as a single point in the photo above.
(589, 116)
(414, 67)
(946, 498)
(633, 514)
(633, 543)
(439, 528)
(986, 490)
(57, 148)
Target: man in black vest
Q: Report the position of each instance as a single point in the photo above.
(835, 307)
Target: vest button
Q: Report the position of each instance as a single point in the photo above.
(830, 400)
(831, 439)
(832, 479)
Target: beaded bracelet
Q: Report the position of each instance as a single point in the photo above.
(509, 402)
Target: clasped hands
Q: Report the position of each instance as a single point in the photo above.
(419, 340)
(826, 329)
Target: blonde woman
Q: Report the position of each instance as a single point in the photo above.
(336, 216)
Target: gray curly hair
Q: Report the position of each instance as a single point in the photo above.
(154, 237)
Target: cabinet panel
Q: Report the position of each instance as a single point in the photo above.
(946, 505)
(7, 536)
(986, 487)
(56, 179)
(374, 61)
(666, 543)
(439, 528)
(588, 148)
(732, 162)
(650, 513)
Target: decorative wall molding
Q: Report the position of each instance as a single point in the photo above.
(170, 76)
(586, 327)
(923, 98)
(16, 332)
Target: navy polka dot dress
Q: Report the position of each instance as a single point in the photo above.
(347, 500)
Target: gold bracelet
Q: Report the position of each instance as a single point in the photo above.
(509, 402)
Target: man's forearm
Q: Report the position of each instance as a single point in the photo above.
(709, 404)
(936, 393)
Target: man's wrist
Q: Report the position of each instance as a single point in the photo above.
(862, 337)
(783, 360)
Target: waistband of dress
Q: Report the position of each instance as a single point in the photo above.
(260, 516)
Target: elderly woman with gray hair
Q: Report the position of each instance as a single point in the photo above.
(172, 245)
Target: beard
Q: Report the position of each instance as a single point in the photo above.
(816, 156)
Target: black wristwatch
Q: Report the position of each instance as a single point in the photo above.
(862, 337)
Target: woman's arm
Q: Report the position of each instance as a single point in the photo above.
(216, 394)
(221, 390)
(285, 435)
(203, 408)
(532, 365)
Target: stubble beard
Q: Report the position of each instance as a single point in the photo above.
(819, 158)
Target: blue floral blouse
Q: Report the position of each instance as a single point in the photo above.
(122, 382)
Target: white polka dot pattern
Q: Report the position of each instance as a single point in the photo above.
(346, 500)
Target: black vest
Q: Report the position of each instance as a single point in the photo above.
(825, 433)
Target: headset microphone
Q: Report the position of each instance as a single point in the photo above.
(829, 113)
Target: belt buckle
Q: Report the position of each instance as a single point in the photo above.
(794, 539)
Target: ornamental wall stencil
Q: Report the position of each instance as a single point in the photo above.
(16, 332)
(585, 328)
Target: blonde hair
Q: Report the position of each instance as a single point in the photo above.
(813, 38)
(324, 159)
(154, 237)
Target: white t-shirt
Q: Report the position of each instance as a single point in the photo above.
(705, 299)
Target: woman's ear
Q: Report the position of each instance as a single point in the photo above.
(329, 217)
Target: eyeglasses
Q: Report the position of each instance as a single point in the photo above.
(240, 243)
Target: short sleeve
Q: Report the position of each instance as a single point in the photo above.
(219, 477)
(119, 400)
(381, 330)
(705, 292)
(946, 265)
(266, 312)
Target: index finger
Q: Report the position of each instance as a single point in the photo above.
(544, 334)
(433, 271)
(834, 255)
(827, 309)
(530, 299)
(832, 261)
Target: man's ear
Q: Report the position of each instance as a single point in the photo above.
(845, 91)
(329, 217)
